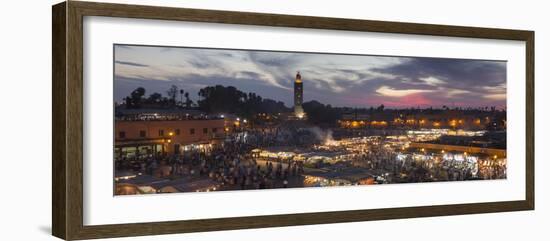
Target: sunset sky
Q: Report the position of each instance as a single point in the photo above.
(339, 80)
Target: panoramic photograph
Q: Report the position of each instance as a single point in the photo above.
(190, 119)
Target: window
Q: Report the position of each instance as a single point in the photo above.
(205, 130)
(192, 131)
(214, 130)
(142, 133)
(161, 132)
(177, 132)
(122, 134)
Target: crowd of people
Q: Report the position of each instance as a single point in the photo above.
(397, 164)
(234, 166)
(230, 164)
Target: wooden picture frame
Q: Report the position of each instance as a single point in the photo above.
(67, 137)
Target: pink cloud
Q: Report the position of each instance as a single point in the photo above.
(422, 100)
(411, 100)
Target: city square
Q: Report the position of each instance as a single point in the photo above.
(232, 140)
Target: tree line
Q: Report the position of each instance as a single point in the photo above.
(228, 99)
(222, 99)
(137, 99)
(212, 99)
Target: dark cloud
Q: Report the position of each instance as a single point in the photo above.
(274, 62)
(200, 64)
(456, 73)
(339, 80)
(250, 75)
(280, 67)
(229, 55)
(131, 64)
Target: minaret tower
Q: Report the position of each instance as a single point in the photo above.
(298, 96)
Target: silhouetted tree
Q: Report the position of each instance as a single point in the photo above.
(221, 99)
(135, 98)
(181, 96)
(154, 98)
(188, 101)
(172, 94)
(380, 108)
(217, 99)
(319, 113)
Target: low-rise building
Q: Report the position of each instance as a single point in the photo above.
(140, 136)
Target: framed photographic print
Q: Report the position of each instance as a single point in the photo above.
(171, 120)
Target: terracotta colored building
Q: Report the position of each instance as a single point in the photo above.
(451, 120)
(166, 136)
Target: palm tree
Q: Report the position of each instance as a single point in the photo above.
(188, 101)
(181, 96)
